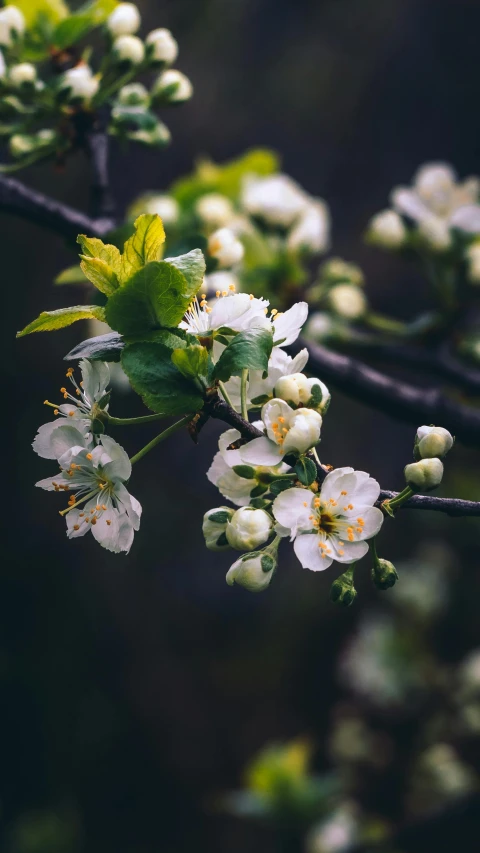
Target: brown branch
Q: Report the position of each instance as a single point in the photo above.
(219, 410)
(36, 207)
(392, 396)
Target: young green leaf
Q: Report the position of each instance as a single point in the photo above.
(48, 321)
(192, 265)
(70, 275)
(143, 246)
(250, 349)
(101, 275)
(93, 247)
(306, 471)
(154, 376)
(154, 297)
(191, 361)
(100, 348)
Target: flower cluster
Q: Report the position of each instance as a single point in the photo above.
(50, 95)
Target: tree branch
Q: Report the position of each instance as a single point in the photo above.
(36, 207)
(392, 396)
(219, 410)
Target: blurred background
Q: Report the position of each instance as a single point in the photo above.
(134, 691)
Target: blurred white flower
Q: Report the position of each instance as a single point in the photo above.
(174, 86)
(337, 833)
(129, 49)
(124, 20)
(386, 229)
(348, 301)
(225, 247)
(12, 23)
(23, 73)
(80, 82)
(161, 46)
(277, 199)
(214, 209)
(311, 233)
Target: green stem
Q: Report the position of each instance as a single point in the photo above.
(373, 545)
(226, 395)
(394, 503)
(144, 419)
(382, 323)
(243, 393)
(161, 437)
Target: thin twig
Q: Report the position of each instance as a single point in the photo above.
(392, 396)
(450, 506)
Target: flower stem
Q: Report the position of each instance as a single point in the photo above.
(144, 419)
(394, 503)
(243, 393)
(226, 395)
(161, 437)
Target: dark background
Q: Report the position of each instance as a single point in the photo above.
(132, 689)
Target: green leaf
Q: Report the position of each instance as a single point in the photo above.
(71, 275)
(53, 10)
(250, 349)
(280, 486)
(171, 338)
(191, 361)
(154, 376)
(48, 321)
(306, 471)
(245, 471)
(100, 348)
(224, 178)
(101, 275)
(143, 246)
(72, 29)
(99, 10)
(192, 265)
(154, 297)
(220, 517)
(92, 247)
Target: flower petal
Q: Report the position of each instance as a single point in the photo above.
(120, 467)
(293, 508)
(261, 451)
(287, 326)
(309, 553)
(347, 552)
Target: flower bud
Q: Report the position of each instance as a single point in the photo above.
(124, 20)
(342, 590)
(386, 229)
(294, 430)
(21, 144)
(133, 95)
(173, 87)
(348, 301)
(296, 389)
(80, 83)
(12, 25)
(253, 571)
(425, 475)
(214, 209)
(277, 199)
(336, 271)
(248, 528)
(225, 247)
(129, 49)
(432, 441)
(161, 46)
(214, 526)
(24, 73)
(384, 574)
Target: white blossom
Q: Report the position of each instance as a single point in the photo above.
(433, 441)
(236, 311)
(23, 73)
(225, 247)
(124, 20)
(277, 199)
(81, 408)
(165, 206)
(231, 485)
(95, 477)
(311, 233)
(80, 82)
(425, 475)
(214, 526)
(174, 85)
(348, 300)
(260, 389)
(248, 528)
(252, 571)
(386, 229)
(12, 23)
(334, 524)
(296, 389)
(287, 431)
(438, 202)
(129, 49)
(214, 209)
(162, 46)
(287, 325)
(337, 833)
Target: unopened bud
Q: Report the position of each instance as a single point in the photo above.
(12, 25)
(23, 74)
(248, 528)
(133, 95)
(129, 49)
(253, 571)
(161, 46)
(297, 390)
(348, 301)
(425, 475)
(384, 574)
(214, 209)
(336, 271)
(124, 20)
(311, 233)
(214, 526)
(225, 247)
(79, 83)
(431, 442)
(386, 229)
(173, 87)
(343, 590)
(22, 143)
